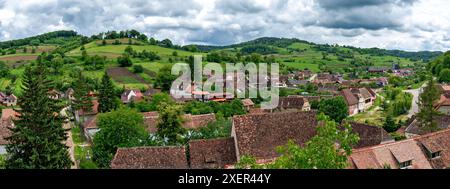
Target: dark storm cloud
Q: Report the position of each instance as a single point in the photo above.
(366, 14)
(221, 22)
(349, 4)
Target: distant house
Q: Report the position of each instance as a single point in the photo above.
(5, 125)
(296, 82)
(90, 128)
(55, 94)
(69, 94)
(430, 151)
(358, 99)
(443, 105)
(212, 153)
(130, 95)
(377, 69)
(351, 101)
(370, 135)
(248, 104)
(167, 157)
(443, 122)
(148, 94)
(88, 113)
(8, 100)
(293, 103)
(190, 121)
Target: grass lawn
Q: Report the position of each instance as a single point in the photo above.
(83, 152)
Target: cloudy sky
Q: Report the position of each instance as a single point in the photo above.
(394, 24)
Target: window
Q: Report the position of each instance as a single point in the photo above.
(405, 165)
(435, 155)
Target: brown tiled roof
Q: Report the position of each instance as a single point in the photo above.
(437, 142)
(416, 149)
(259, 134)
(369, 135)
(291, 102)
(168, 157)
(93, 111)
(247, 102)
(91, 123)
(8, 113)
(443, 122)
(212, 153)
(390, 154)
(4, 131)
(349, 97)
(190, 121)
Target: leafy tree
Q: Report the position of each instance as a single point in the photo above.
(138, 69)
(390, 125)
(84, 55)
(164, 78)
(107, 99)
(129, 51)
(335, 108)
(124, 61)
(426, 116)
(170, 122)
(120, 128)
(158, 99)
(38, 138)
(444, 76)
(4, 69)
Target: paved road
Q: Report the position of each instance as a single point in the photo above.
(415, 107)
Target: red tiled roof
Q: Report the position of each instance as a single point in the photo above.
(212, 153)
(417, 149)
(190, 121)
(5, 125)
(291, 102)
(369, 135)
(247, 102)
(259, 134)
(8, 113)
(93, 111)
(350, 99)
(168, 157)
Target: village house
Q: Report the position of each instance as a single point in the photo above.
(443, 105)
(248, 104)
(6, 122)
(83, 115)
(167, 157)
(8, 100)
(55, 94)
(370, 135)
(413, 129)
(148, 94)
(69, 94)
(190, 121)
(358, 99)
(5, 125)
(430, 151)
(130, 95)
(293, 103)
(377, 69)
(327, 78)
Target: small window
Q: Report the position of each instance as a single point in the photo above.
(435, 155)
(406, 164)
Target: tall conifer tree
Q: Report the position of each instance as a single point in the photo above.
(38, 137)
